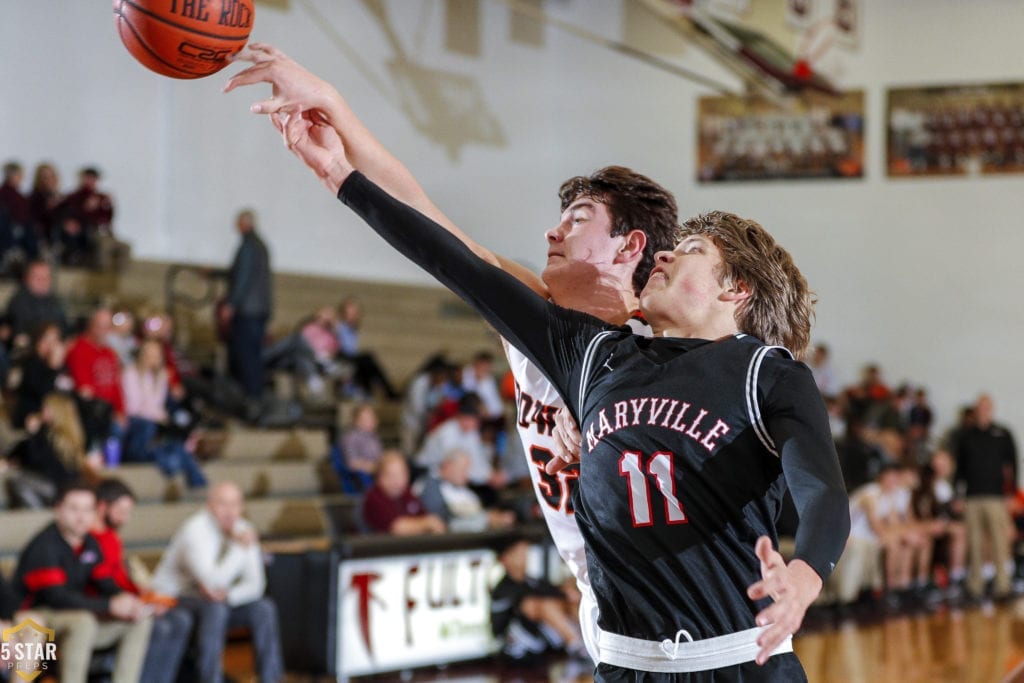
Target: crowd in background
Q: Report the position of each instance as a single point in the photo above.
(39, 219)
(936, 517)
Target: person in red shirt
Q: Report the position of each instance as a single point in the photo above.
(391, 508)
(172, 626)
(96, 371)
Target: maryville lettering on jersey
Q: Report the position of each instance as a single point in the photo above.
(670, 413)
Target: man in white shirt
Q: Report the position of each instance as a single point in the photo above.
(462, 433)
(215, 567)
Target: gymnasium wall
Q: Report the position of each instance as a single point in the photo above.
(921, 276)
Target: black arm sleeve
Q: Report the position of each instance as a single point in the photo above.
(798, 424)
(553, 338)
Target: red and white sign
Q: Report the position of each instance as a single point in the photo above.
(414, 610)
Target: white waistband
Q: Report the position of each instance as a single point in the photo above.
(685, 656)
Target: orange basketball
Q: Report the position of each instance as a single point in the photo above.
(183, 38)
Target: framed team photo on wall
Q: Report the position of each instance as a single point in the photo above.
(813, 136)
(956, 130)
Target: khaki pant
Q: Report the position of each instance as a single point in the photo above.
(80, 632)
(858, 568)
(987, 518)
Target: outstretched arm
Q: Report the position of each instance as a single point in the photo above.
(553, 338)
(296, 91)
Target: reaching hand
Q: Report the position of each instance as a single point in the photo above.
(294, 88)
(317, 144)
(793, 587)
(568, 442)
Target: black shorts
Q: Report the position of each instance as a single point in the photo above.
(783, 668)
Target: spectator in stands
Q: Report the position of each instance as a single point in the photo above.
(416, 404)
(368, 373)
(146, 393)
(447, 495)
(60, 574)
(859, 458)
(43, 202)
(391, 508)
(462, 432)
(96, 372)
(248, 307)
(52, 455)
(941, 515)
(160, 327)
(322, 342)
(478, 378)
(986, 466)
(42, 372)
(172, 625)
(35, 303)
(121, 337)
(530, 616)
(361, 445)
(86, 214)
(824, 375)
(214, 566)
(880, 522)
(311, 352)
(15, 216)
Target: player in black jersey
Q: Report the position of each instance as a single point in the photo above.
(691, 437)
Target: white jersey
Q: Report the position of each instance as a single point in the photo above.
(536, 404)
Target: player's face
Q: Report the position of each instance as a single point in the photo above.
(685, 283)
(581, 243)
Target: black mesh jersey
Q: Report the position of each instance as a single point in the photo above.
(688, 444)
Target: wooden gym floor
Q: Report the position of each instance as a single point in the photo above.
(973, 645)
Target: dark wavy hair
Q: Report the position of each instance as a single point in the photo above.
(635, 202)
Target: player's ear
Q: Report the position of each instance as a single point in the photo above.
(632, 246)
(737, 291)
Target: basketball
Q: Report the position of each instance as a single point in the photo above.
(183, 38)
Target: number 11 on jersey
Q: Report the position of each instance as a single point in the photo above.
(661, 469)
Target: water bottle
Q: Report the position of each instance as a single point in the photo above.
(112, 451)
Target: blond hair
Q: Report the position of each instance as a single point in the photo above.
(780, 307)
(66, 434)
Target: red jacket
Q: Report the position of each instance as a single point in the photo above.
(97, 368)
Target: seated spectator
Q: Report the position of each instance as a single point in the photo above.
(172, 625)
(53, 455)
(16, 231)
(361, 445)
(530, 616)
(121, 337)
(447, 495)
(941, 516)
(59, 573)
(34, 304)
(214, 567)
(416, 406)
(43, 202)
(311, 352)
(879, 523)
(42, 373)
(368, 373)
(478, 378)
(320, 338)
(146, 393)
(96, 372)
(86, 214)
(391, 508)
(462, 432)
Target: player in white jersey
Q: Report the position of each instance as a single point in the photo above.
(600, 255)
